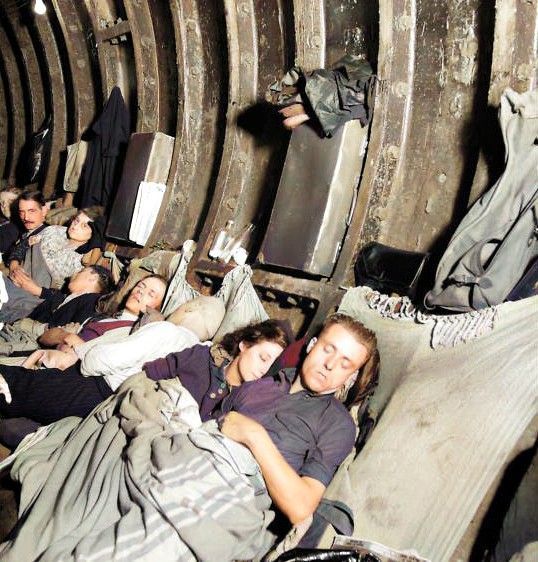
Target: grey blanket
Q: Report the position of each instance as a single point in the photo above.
(137, 481)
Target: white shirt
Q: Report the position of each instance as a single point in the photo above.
(119, 357)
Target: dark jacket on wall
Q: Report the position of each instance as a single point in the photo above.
(110, 135)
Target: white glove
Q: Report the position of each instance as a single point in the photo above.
(4, 389)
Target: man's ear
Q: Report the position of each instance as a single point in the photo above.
(342, 392)
(242, 346)
(311, 344)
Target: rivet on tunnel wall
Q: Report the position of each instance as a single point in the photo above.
(231, 202)
(247, 60)
(523, 72)
(401, 89)
(441, 178)
(393, 152)
(428, 207)
(402, 23)
(455, 107)
(314, 40)
(244, 9)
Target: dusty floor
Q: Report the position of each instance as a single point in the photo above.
(8, 505)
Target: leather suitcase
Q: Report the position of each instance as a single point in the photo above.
(148, 158)
(314, 200)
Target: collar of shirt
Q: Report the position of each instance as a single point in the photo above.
(36, 230)
(289, 374)
(123, 315)
(217, 372)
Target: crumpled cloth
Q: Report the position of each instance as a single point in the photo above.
(139, 479)
(333, 96)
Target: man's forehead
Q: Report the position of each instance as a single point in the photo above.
(341, 338)
(29, 204)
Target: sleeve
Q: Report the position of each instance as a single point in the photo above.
(43, 312)
(77, 310)
(110, 336)
(63, 263)
(50, 294)
(335, 442)
(132, 351)
(191, 366)
(18, 251)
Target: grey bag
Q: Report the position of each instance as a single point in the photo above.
(498, 238)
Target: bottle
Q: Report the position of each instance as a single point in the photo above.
(240, 242)
(220, 241)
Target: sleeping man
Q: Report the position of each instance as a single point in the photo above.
(141, 479)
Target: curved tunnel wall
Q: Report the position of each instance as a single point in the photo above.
(198, 70)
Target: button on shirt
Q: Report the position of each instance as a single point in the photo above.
(314, 433)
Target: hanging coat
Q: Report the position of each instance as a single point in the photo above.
(105, 154)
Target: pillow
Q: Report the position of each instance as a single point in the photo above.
(243, 306)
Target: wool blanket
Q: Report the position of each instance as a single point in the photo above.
(139, 479)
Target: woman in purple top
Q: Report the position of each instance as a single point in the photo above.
(209, 373)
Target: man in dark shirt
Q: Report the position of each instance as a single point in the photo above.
(275, 417)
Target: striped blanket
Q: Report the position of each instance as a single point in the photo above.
(139, 479)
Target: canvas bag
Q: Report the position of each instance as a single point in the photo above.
(498, 238)
(76, 157)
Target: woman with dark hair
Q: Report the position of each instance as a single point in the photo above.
(63, 247)
(209, 373)
(202, 370)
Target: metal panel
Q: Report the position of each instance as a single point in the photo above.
(200, 108)
(145, 58)
(33, 76)
(251, 150)
(309, 18)
(314, 200)
(148, 159)
(50, 52)
(4, 127)
(82, 88)
(17, 112)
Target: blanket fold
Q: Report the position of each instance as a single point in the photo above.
(139, 479)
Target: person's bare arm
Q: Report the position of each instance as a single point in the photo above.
(296, 496)
(13, 266)
(24, 281)
(33, 360)
(51, 359)
(54, 359)
(72, 340)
